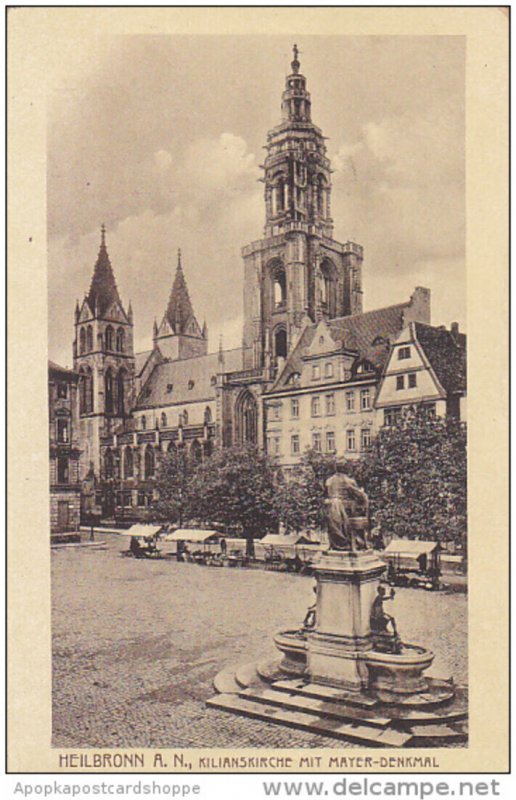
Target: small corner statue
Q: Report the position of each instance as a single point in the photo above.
(347, 512)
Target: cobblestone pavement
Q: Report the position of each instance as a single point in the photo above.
(136, 645)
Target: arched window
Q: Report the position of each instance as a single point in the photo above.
(164, 420)
(109, 392)
(207, 415)
(149, 461)
(120, 392)
(109, 338)
(328, 288)
(171, 447)
(89, 338)
(246, 418)
(128, 463)
(144, 423)
(82, 340)
(86, 391)
(280, 342)
(109, 464)
(321, 196)
(120, 340)
(196, 450)
(280, 288)
(183, 418)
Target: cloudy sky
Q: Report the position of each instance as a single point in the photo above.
(161, 138)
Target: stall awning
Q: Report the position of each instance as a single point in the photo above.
(191, 535)
(142, 530)
(410, 547)
(279, 539)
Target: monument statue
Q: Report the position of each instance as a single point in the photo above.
(347, 529)
(380, 622)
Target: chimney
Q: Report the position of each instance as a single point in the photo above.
(454, 330)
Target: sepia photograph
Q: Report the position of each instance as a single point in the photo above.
(258, 524)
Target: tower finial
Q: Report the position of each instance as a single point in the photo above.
(295, 63)
(179, 258)
(103, 235)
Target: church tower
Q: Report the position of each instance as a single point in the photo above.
(103, 356)
(179, 334)
(297, 273)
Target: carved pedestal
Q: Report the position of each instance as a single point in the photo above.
(347, 584)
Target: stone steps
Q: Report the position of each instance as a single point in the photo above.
(330, 710)
(359, 733)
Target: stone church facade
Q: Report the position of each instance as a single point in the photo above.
(297, 278)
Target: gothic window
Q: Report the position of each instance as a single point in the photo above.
(164, 421)
(321, 196)
(89, 338)
(109, 338)
(86, 391)
(109, 464)
(120, 337)
(207, 415)
(280, 342)
(82, 340)
(149, 461)
(62, 390)
(120, 392)
(280, 288)
(109, 392)
(171, 447)
(128, 463)
(196, 450)
(328, 288)
(246, 418)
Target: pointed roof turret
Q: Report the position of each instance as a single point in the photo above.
(179, 310)
(103, 290)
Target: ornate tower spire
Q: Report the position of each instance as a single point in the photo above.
(297, 171)
(179, 311)
(180, 335)
(103, 290)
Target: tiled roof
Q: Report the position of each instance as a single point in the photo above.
(190, 379)
(446, 353)
(53, 367)
(140, 359)
(369, 334)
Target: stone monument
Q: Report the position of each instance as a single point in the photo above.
(346, 671)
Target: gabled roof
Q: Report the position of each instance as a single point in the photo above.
(446, 352)
(140, 359)
(68, 373)
(368, 335)
(103, 291)
(186, 380)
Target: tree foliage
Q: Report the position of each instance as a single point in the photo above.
(174, 483)
(415, 475)
(236, 488)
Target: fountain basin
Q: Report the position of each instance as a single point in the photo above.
(398, 673)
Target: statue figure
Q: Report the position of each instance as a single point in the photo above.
(347, 530)
(310, 620)
(388, 641)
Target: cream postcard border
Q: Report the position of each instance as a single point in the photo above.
(38, 42)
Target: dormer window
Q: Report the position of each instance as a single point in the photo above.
(170, 387)
(403, 352)
(191, 384)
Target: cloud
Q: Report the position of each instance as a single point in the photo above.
(162, 159)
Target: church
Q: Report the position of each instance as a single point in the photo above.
(307, 345)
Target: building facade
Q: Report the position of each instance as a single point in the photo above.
(311, 368)
(64, 452)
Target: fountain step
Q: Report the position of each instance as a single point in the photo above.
(348, 731)
(443, 734)
(246, 675)
(329, 693)
(300, 702)
(225, 683)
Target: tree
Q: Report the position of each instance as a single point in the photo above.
(173, 484)
(415, 475)
(236, 488)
